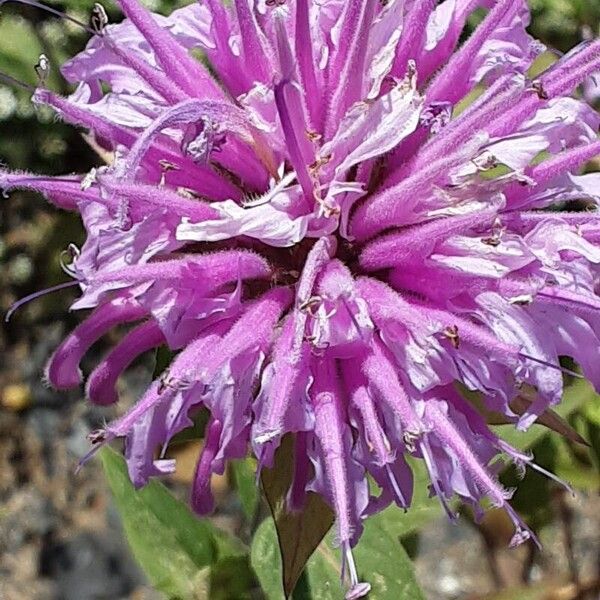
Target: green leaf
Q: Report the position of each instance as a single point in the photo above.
(423, 509)
(299, 533)
(581, 474)
(245, 484)
(171, 544)
(575, 396)
(20, 48)
(380, 560)
(232, 577)
(265, 559)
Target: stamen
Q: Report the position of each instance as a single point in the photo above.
(316, 260)
(451, 332)
(22, 301)
(526, 460)
(572, 300)
(203, 140)
(190, 111)
(446, 432)
(400, 499)
(9, 80)
(50, 10)
(357, 589)
(552, 366)
(429, 465)
(72, 252)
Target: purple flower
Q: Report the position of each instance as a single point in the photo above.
(332, 238)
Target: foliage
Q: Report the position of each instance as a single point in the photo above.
(185, 557)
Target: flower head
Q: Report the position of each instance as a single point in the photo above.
(336, 218)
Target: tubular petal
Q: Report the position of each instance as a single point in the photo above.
(100, 386)
(62, 370)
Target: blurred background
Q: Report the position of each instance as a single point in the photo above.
(60, 536)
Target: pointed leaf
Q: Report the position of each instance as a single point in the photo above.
(299, 533)
(265, 559)
(380, 560)
(244, 476)
(575, 396)
(549, 418)
(171, 544)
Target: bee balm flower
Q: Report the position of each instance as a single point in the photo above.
(331, 237)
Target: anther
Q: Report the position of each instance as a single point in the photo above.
(98, 19)
(43, 69)
(538, 87)
(188, 193)
(521, 300)
(409, 439)
(89, 179)
(485, 161)
(320, 162)
(452, 334)
(72, 253)
(313, 136)
(165, 381)
(97, 436)
(491, 241)
(307, 305)
(168, 381)
(165, 167)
